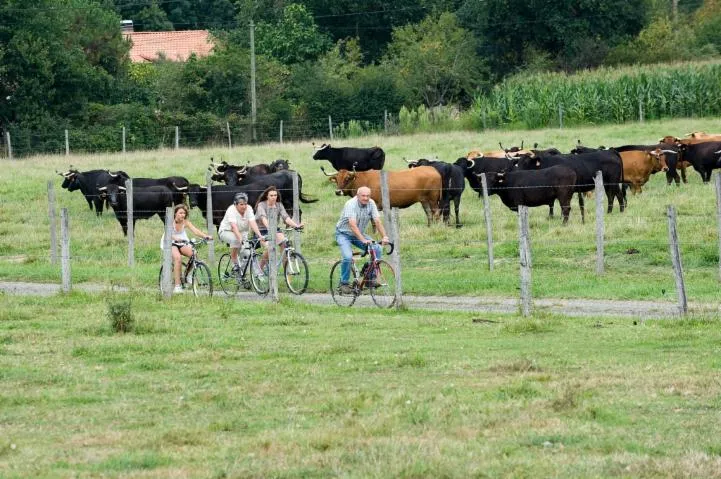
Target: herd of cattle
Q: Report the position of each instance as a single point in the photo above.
(518, 176)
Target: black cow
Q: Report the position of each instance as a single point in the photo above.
(452, 187)
(704, 157)
(177, 184)
(608, 162)
(360, 159)
(88, 183)
(223, 194)
(235, 175)
(472, 169)
(147, 202)
(535, 188)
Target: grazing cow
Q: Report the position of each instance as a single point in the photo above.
(223, 194)
(535, 188)
(234, 175)
(147, 202)
(358, 159)
(88, 183)
(452, 187)
(406, 187)
(608, 162)
(639, 165)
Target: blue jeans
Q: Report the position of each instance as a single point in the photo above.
(345, 241)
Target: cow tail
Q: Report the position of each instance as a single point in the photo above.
(307, 199)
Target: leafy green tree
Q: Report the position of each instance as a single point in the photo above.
(293, 39)
(661, 41)
(436, 59)
(152, 19)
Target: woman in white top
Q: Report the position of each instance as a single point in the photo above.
(270, 198)
(238, 220)
(179, 239)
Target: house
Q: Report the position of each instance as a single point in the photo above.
(174, 46)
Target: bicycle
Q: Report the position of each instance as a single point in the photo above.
(376, 275)
(193, 271)
(295, 267)
(248, 275)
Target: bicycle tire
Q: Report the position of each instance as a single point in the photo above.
(202, 280)
(229, 281)
(260, 282)
(339, 298)
(383, 291)
(295, 271)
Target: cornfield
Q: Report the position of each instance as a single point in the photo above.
(604, 95)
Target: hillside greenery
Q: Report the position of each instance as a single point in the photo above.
(64, 65)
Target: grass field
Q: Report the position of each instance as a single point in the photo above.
(225, 389)
(436, 260)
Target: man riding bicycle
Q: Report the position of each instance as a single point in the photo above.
(356, 214)
(239, 219)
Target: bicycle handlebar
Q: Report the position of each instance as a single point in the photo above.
(371, 243)
(192, 242)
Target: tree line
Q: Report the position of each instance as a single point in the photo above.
(64, 63)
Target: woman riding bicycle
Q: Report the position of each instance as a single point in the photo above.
(179, 238)
(270, 198)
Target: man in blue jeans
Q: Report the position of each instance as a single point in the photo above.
(357, 213)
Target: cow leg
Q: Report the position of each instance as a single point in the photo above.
(581, 207)
(565, 207)
(428, 211)
(456, 205)
(98, 206)
(550, 209)
(683, 174)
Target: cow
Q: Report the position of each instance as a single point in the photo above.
(473, 167)
(608, 162)
(358, 159)
(502, 153)
(535, 188)
(639, 165)
(88, 183)
(453, 184)
(406, 187)
(670, 155)
(234, 174)
(147, 202)
(177, 184)
(222, 195)
(703, 156)
(704, 135)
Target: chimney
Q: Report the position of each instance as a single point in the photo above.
(126, 26)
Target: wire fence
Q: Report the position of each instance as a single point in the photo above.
(636, 250)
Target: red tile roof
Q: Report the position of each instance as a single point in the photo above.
(175, 46)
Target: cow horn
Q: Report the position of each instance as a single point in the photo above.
(114, 176)
(179, 188)
(669, 151)
(354, 166)
(103, 188)
(471, 164)
(499, 144)
(716, 152)
(521, 144)
(323, 170)
(245, 168)
(203, 188)
(121, 188)
(64, 175)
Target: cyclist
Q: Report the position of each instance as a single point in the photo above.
(268, 199)
(357, 213)
(238, 220)
(180, 239)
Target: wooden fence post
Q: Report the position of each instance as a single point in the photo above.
(524, 250)
(209, 216)
(230, 142)
(392, 232)
(65, 251)
(718, 217)
(9, 145)
(483, 118)
(67, 143)
(296, 210)
(600, 225)
(386, 203)
(273, 252)
(166, 282)
(396, 257)
(385, 121)
(123, 139)
(53, 225)
(281, 132)
(640, 109)
(560, 116)
(676, 260)
(130, 215)
(177, 137)
(487, 214)
(330, 127)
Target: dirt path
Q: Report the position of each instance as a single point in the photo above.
(567, 307)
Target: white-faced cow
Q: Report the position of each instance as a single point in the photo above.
(358, 159)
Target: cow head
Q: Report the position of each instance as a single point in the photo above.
(670, 140)
(279, 165)
(112, 193)
(660, 160)
(465, 163)
(69, 176)
(344, 182)
(527, 161)
(321, 152)
(493, 178)
(196, 194)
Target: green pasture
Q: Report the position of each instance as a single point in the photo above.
(229, 389)
(436, 260)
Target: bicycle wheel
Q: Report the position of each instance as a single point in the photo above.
(229, 281)
(383, 286)
(259, 279)
(172, 268)
(202, 280)
(340, 297)
(295, 271)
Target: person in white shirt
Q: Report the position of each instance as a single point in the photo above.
(239, 219)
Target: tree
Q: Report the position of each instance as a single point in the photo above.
(436, 59)
(293, 39)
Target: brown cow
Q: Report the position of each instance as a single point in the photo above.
(639, 165)
(406, 187)
(696, 135)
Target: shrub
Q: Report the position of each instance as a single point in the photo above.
(120, 315)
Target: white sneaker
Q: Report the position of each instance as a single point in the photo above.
(178, 289)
